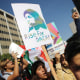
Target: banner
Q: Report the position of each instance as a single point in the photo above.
(32, 25)
(58, 44)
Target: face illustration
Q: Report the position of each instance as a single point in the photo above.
(30, 19)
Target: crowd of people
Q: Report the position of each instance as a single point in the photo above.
(66, 66)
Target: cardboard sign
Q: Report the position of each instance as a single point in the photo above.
(32, 25)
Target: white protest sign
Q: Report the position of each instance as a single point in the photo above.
(59, 48)
(53, 49)
(31, 24)
(16, 49)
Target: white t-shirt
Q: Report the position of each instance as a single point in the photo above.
(6, 75)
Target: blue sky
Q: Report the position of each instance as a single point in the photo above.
(58, 11)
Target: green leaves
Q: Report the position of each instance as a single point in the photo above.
(5, 56)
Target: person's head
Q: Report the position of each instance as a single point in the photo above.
(72, 53)
(74, 37)
(9, 65)
(64, 63)
(39, 71)
(6, 62)
(32, 17)
(75, 15)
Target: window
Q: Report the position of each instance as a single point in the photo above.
(14, 35)
(4, 39)
(9, 16)
(12, 28)
(1, 13)
(2, 19)
(11, 23)
(4, 32)
(4, 46)
(1, 25)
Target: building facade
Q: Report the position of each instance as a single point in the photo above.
(9, 31)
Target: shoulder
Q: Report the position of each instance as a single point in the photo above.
(6, 75)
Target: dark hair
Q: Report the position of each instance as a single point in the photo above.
(35, 65)
(75, 37)
(72, 48)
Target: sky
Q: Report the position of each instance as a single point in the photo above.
(58, 11)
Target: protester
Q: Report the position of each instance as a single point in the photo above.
(62, 68)
(7, 65)
(12, 70)
(76, 18)
(72, 54)
(39, 71)
(72, 51)
(75, 36)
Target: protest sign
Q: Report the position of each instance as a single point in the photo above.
(33, 28)
(16, 49)
(58, 44)
(32, 25)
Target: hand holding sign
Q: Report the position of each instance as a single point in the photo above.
(14, 55)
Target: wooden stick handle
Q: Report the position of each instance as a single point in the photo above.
(50, 64)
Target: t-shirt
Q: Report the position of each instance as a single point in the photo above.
(6, 75)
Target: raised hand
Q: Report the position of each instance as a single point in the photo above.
(14, 55)
(57, 56)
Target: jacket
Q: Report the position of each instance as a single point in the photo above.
(64, 74)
